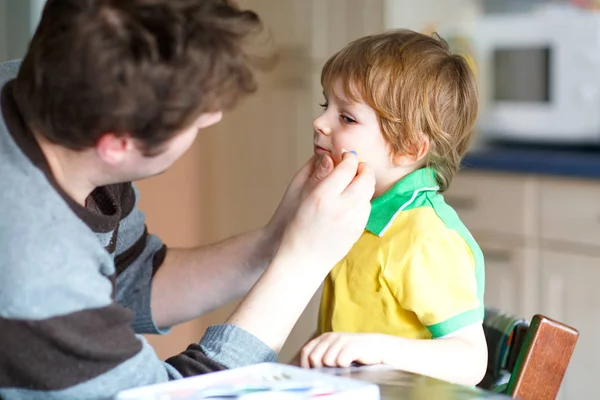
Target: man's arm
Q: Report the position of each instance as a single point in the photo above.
(191, 282)
(167, 286)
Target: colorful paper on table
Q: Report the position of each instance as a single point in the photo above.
(261, 382)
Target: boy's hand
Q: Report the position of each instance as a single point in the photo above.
(339, 349)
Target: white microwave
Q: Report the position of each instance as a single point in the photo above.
(539, 76)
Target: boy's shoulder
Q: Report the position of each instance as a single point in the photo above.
(434, 226)
(423, 220)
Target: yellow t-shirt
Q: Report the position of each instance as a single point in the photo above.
(416, 271)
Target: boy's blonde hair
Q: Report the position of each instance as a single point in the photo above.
(417, 87)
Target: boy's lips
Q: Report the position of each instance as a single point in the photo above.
(321, 150)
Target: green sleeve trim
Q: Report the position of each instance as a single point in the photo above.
(457, 322)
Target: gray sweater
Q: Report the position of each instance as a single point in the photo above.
(75, 286)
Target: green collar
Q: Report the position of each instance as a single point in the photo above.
(398, 198)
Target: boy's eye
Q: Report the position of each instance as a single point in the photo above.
(324, 105)
(347, 120)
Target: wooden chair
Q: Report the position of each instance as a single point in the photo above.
(527, 361)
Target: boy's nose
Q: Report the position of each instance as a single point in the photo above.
(321, 127)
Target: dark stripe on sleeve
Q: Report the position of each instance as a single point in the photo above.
(159, 258)
(113, 281)
(59, 352)
(193, 361)
(125, 259)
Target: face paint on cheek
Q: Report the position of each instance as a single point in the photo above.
(350, 151)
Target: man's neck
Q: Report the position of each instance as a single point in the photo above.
(69, 168)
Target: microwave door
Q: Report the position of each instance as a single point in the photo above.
(522, 94)
(522, 75)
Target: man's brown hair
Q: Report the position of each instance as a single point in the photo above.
(146, 68)
(417, 87)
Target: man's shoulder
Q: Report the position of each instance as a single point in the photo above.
(51, 261)
(32, 210)
(38, 229)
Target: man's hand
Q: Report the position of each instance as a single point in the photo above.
(333, 211)
(330, 214)
(316, 169)
(339, 349)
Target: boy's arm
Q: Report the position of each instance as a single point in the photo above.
(460, 358)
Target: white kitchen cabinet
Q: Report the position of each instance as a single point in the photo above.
(569, 294)
(541, 241)
(500, 210)
(494, 204)
(509, 274)
(570, 211)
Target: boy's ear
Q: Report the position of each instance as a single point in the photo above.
(403, 160)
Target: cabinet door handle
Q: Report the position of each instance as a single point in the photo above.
(497, 255)
(461, 203)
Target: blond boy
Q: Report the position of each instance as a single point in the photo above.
(410, 292)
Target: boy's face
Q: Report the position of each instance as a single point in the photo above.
(353, 126)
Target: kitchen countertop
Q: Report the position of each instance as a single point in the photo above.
(577, 162)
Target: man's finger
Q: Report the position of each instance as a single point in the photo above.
(307, 170)
(323, 167)
(338, 180)
(363, 183)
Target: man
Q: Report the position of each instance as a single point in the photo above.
(114, 91)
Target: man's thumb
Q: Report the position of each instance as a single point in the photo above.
(323, 168)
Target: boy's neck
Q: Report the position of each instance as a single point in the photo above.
(385, 183)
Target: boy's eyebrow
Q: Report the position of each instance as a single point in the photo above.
(338, 99)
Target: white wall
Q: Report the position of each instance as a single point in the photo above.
(422, 14)
(18, 20)
(3, 42)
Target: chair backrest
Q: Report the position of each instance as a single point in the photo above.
(543, 360)
(526, 361)
(504, 334)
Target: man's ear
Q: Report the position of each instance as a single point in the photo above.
(113, 149)
(403, 160)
